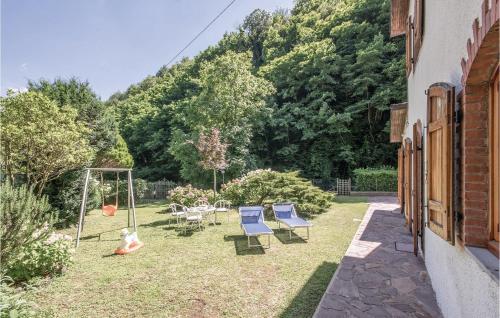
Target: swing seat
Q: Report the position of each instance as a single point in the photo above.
(109, 210)
(133, 247)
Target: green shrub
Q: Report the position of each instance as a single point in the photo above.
(264, 187)
(41, 258)
(376, 179)
(65, 196)
(29, 248)
(12, 303)
(188, 195)
(23, 215)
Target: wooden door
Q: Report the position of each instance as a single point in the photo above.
(417, 183)
(407, 182)
(439, 154)
(494, 159)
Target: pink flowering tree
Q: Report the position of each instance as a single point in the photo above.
(212, 151)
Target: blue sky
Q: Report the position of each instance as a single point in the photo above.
(110, 43)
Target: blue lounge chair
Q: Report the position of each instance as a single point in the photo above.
(252, 223)
(285, 213)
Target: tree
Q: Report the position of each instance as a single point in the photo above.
(307, 90)
(256, 26)
(116, 157)
(212, 152)
(230, 98)
(41, 141)
(79, 95)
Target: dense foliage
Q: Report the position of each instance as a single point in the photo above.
(308, 90)
(376, 179)
(41, 258)
(265, 187)
(22, 214)
(29, 247)
(40, 141)
(12, 302)
(102, 139)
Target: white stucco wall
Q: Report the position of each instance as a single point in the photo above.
(463, 288)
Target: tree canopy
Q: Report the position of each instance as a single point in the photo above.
(308, 89)
(41, 141)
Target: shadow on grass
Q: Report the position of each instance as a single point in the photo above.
(283, 236)
(151, 204)
(171, 224)
(98, 236)
(241, 245)
(305, 302)
(110, 255)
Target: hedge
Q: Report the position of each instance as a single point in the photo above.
(376, 179)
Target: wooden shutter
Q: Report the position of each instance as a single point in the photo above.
(417, 183)
(400, 176)
(418, 28)
(407, 182)
(409, 36)
(440, 101)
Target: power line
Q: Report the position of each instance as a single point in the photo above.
(201, 32)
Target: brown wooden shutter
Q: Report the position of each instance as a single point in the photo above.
(418, 28)
(407, 183)
(400, 176)
(417, 183)
(409, 36)
(440, 101)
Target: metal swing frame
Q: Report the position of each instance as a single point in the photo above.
(130, 195)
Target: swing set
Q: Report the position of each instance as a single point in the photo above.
(108, 210)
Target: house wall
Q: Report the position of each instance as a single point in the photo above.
(463, 288)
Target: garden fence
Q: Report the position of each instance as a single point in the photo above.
(152, 191)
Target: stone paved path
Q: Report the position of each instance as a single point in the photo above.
(376, 280)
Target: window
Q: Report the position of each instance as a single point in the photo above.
(418, 29)
(440, 101)
(494, 139)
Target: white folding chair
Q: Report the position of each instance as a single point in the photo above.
(222, 206)
(178, 211)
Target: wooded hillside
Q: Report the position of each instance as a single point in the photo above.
(308, 89)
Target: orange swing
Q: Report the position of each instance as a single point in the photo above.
(109, 209)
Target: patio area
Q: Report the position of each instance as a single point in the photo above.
(379, 276)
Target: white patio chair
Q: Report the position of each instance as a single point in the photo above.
(178, 211)
(222, 206)
(193, 216)
(201, 202)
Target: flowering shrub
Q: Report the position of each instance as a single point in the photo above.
(188, 195)
(264, 187)
(50, 256)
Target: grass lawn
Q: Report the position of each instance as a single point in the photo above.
(210, 273)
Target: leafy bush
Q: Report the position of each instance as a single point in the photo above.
(29, 249)
(264, 187)
(65, 196)
(41, 258)
(12, 303)
(376, 179)
(188, 195)
(22, 216)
